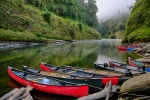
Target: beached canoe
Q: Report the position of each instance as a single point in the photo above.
(80, 72)
(135, 63)
(126, 66)
(131, 49)
(122, 47)
(45, 66)
(94, 84)
(126, 71)
(132, 62)
(47, 84)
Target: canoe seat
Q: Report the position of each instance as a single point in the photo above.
(63, 71)
(31, 77)
(105, 73)
(39, 81)
(54, 68)
(92, 71)
(61, 83)
(35, 71)
(89, 75)
(80, 69)
(72, 77)
(123, 65)
(19, 73)
(112, 68)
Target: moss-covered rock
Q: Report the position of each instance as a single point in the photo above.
(137, 85)
(138, 25)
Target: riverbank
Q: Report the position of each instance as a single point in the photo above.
(13, 45)
(145, 52)
(139, 84)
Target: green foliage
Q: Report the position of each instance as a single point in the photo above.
(47, 16)
(80, 26)
(138, 25)
(36, 3)
(112, 37)
(75, 9)
(22, 22)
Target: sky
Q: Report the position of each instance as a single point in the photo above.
(108, 8)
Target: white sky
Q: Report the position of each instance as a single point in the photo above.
(107, 8)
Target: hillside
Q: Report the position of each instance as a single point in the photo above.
(138, 25)
(24, 22)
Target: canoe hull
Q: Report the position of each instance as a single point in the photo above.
(122, 48)
(131, 62)
(74, 91)
(45, 68)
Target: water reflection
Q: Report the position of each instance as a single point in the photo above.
(80, 54)
(108, 51)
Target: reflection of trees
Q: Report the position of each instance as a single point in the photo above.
(58, 54)
(78, 54)
(109, 48)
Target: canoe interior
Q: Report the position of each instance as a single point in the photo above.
(125, 66)
(93, 73)
(48, 84)
(100, 66)
(41, 79)
(77, 72)
(94, 84)
(103, 72)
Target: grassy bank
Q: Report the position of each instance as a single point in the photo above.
(23, 22)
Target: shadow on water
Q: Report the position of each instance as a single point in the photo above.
(79, 54)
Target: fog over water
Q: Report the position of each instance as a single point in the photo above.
(109, 8)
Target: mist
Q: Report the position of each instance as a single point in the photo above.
(109, 8)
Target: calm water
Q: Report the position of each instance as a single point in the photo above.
(79, 54)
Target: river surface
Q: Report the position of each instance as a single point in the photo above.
(80, 54)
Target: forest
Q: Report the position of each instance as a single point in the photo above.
(48, 20)
(114, 27)
(80, 10)
(45, 20)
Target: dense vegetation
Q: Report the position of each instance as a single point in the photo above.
(39, 20)
(138, 25)
(114, 27)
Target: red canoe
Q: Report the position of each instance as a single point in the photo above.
(48, 84)
(132, 62)
(122, 48)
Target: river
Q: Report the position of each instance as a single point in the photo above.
(80, 54)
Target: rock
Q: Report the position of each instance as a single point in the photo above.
(144, 60)
(147, 51)
(143, 49)
(137, 85)
(147, 54)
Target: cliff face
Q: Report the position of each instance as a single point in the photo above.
(24, 22)
(138, 25)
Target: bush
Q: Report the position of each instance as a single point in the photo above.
(80, 26)
(47, 16)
